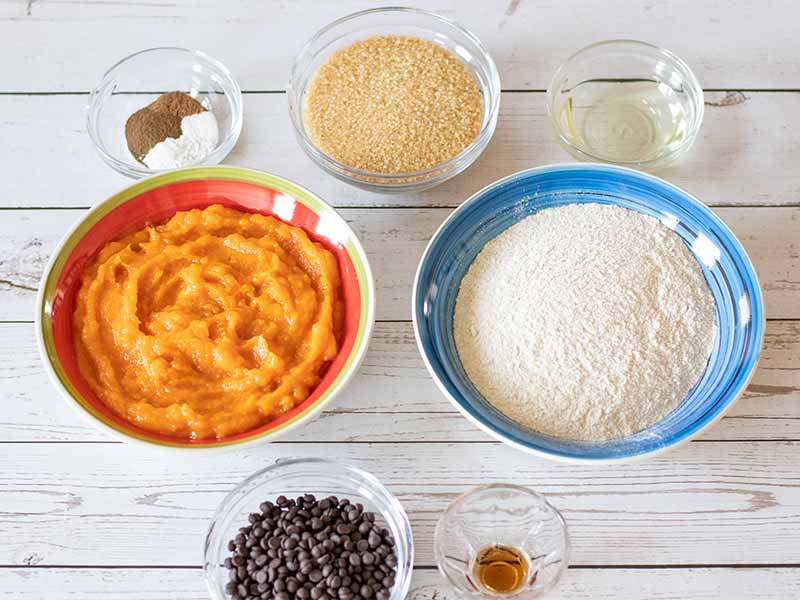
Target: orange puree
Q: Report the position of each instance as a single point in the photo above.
(211, 324)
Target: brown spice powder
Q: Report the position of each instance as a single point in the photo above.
(393, 104)
(159, 120)
(176, 103)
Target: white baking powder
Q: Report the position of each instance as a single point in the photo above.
(199, 137)
(586, 321)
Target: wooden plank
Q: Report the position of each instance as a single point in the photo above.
(743, 156)
(395, 240)
(78, 40)
(577, 584)
(392, 397)
(115, 504)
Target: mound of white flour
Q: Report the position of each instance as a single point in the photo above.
(586, 321)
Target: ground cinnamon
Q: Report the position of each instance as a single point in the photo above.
(176, 103)
(159, 120)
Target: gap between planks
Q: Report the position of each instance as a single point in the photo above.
(756, 90)
(487, 442)
(406, 206)
(579, 567)
(734, 148)
(31, 322)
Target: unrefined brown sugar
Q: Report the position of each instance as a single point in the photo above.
(393, 104)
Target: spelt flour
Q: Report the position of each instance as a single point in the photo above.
(585, 321)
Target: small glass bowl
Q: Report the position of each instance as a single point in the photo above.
(626, 102)
(137, 80)
(398, 21)
(502, 515)
(297, 477)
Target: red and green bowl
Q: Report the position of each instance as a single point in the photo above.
(155, 200)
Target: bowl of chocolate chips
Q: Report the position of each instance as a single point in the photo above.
(309, 529)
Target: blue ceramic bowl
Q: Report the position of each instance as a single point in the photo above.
(730, 276)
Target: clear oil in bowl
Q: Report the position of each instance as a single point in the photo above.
(625, 121)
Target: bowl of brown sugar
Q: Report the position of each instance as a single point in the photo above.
(394, 99)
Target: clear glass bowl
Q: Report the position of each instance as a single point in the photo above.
(137, 80)
(399, 21)
(502, 515)
(297, 477)
(626, 102)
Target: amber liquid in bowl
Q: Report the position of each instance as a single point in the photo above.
(500, 569)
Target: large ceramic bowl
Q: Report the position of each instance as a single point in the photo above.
(155, 200)
(726, 267)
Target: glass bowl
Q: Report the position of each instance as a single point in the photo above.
(297, 477)
(502, 515)
(400, 21)
(137, 80)
(722, 260)
(626, 102)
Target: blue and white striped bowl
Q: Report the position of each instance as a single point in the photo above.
(730, 275)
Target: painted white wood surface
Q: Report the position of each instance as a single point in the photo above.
(747, 43)
(114, 504)
(580, 584)
(745, 154)
(394, 240)
(392, 397)
(718, 518)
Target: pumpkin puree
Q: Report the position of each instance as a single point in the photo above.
(208, 325)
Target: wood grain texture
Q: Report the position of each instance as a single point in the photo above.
(742, 44)
(392, 397)
(744, 154)
(394, 240)
(84, 517)
(115, 504)
(577, 584)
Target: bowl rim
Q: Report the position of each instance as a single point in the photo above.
(300, 194)
(133, 169)
(396, 179)
(758, 307)
(362, 475)
(659, 161)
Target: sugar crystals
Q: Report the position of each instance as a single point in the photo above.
(393, 104)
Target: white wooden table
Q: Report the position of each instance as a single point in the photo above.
(82, 516)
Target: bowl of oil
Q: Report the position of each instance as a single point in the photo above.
(626, 102)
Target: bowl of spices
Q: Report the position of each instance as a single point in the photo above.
(394, 99)
(311, 529)
(162, 109)
(588, 313)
